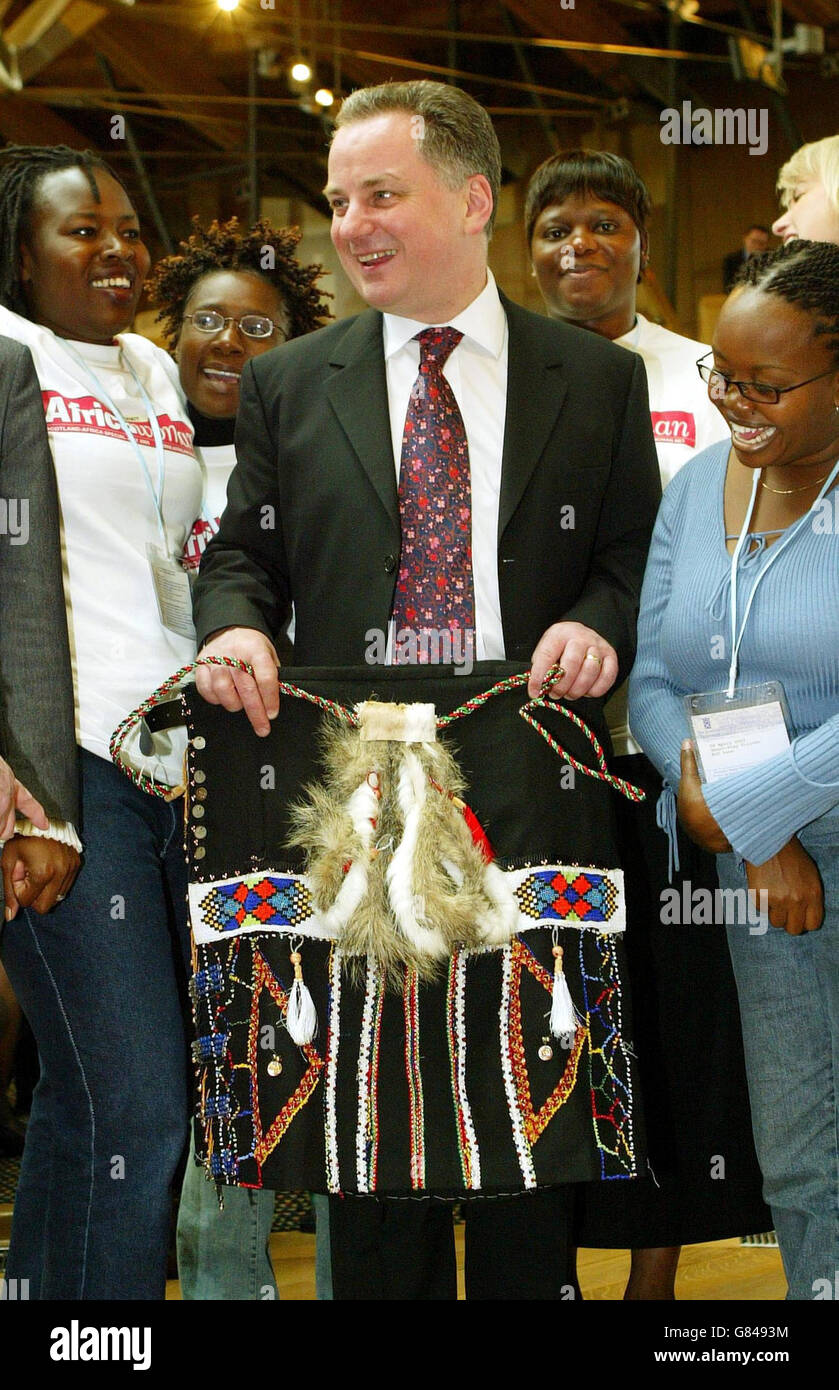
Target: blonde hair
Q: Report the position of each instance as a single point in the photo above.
(818, 160)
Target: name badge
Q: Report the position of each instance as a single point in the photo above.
(733, 733)
(172, 591)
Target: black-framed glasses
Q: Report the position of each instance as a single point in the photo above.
(252, 325)
(758, 391)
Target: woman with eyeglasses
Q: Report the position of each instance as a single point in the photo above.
(97, 972)
(229, 296)
(740, 616)
(586, 216)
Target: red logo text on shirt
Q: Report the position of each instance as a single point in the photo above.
(674, 427)
(87, 415)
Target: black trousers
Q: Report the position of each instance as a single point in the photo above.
(391, 1249)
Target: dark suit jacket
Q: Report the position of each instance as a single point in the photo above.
(37, 731)
(313, 514)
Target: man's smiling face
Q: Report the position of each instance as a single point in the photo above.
(410, 244)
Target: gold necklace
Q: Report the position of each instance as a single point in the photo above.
(787, 491)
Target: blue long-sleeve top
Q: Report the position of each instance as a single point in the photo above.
(792, 635)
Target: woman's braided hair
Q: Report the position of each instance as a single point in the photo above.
(805, 274)
(22, 167)
(264, 250)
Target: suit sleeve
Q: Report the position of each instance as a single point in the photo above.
(37, 720)
(609, 600)
(243, 580)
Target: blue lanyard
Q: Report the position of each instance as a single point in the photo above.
(770, 560)
(159, 447)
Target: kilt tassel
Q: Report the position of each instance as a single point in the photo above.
(301, 1019)
(563, 1020)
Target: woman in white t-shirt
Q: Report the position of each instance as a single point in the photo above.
(98, 975)
(586, 219)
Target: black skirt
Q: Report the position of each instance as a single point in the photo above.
(703, 1181)
(453, 1086)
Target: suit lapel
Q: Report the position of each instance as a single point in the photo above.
(357, 392)
(536, 388)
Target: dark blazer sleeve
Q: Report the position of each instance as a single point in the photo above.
(312, 514)
(580, 485)
(37, 728)
(609, 601)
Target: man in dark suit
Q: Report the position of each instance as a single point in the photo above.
(755, 242)
(564, 488)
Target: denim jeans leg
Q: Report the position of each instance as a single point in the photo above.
(98, 980)
(788, 987)
(223, 1254)
(323, 1253)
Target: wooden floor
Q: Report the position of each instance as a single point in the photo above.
(723, 1270)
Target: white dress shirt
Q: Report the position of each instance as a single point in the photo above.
(476, 370)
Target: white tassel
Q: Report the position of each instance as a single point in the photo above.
(563, 1019)
(301, 1019)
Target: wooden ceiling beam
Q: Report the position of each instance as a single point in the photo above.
(77, 19)
(24, 122)
(139, 58)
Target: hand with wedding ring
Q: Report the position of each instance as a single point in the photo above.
(589, 664)
(37, 872)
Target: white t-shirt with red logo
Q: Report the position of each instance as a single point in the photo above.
(218, 462)
(684, 423)
(683, 418)
(120, 650)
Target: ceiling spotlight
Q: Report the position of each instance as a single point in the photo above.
(324, 97)
(227, 4)
(301, 72)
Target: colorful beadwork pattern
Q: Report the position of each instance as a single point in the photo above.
(253, 902)
(367, 1127)
(333, 1039)
(467, 1143)
(566, 896)
(265, 1142)
(413, 1071)
(236, 987)
(610, 1073)
(533, 1121)
(548, 895)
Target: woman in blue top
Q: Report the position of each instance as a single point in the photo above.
(767, 506)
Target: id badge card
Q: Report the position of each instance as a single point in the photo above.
(732, 734)
(172, 591)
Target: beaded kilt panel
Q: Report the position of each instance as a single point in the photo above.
(453, 1086)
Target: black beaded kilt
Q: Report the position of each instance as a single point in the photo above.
(451, 1087)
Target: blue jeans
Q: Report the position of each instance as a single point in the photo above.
(98, 980)
(789, 1004)
(224, 1254)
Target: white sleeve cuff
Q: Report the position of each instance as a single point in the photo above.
(62, 831)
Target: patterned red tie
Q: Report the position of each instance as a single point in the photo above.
(435, 597)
